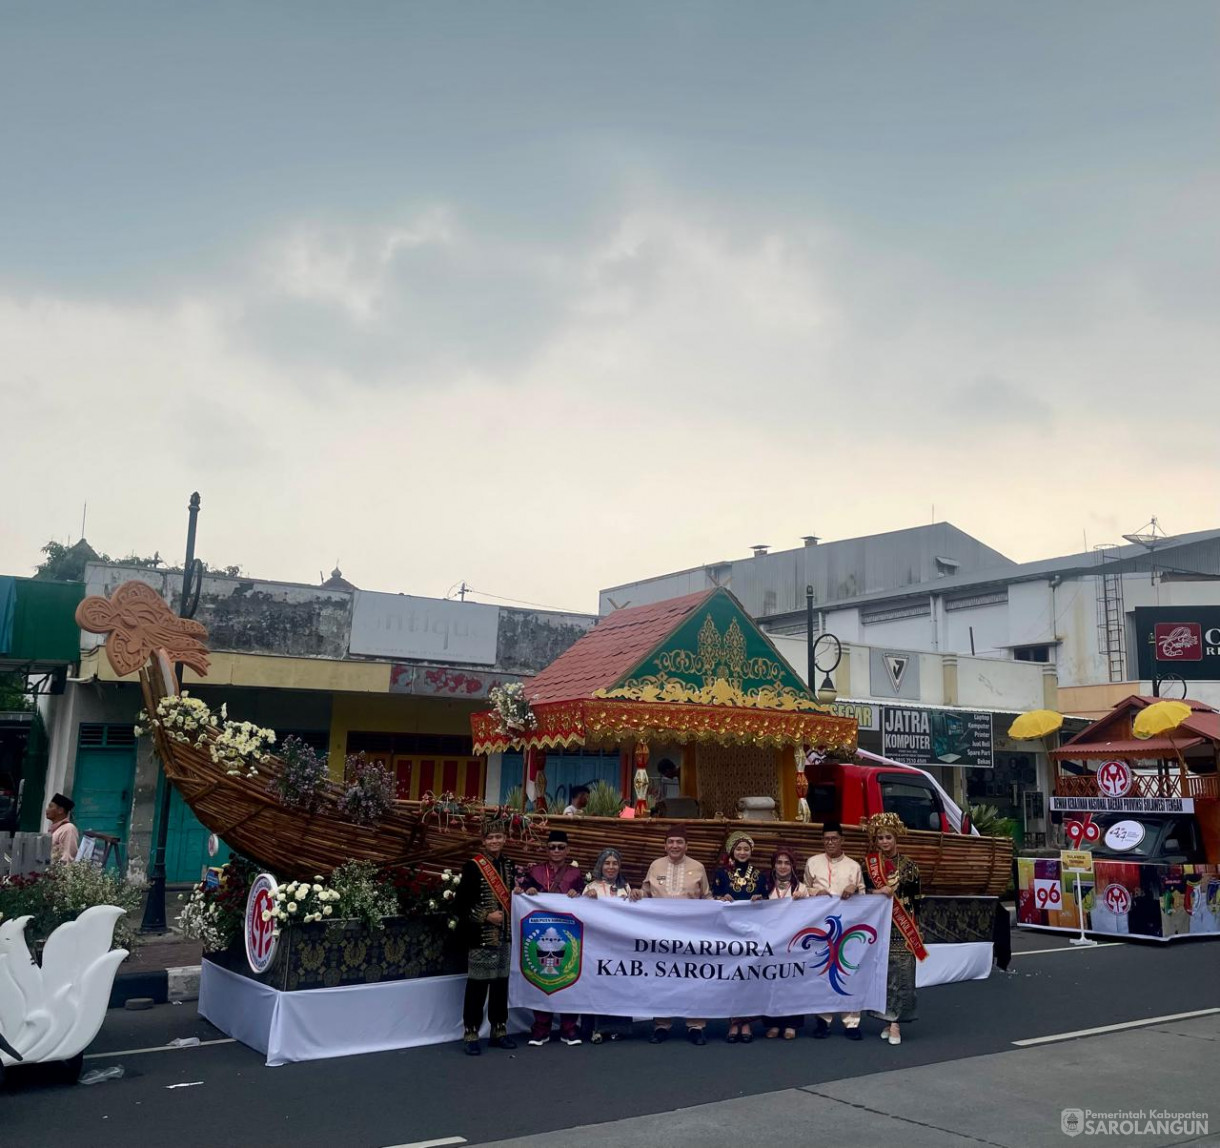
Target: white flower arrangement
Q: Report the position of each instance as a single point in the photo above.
(243, 747)
(301, 902)
(182, 718)
(513, 711)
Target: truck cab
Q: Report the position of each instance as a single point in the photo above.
(849, 793)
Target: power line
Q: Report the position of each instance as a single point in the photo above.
(521, 601)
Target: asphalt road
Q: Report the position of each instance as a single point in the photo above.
(222, 1094)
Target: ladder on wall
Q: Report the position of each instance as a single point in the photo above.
(1111, 618)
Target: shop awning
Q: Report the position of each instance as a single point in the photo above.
(1153, 747)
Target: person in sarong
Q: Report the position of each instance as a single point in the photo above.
(888, 873)
(484, 912)
(738, 879)
(673, 876)
(832, 873)
(557, 874)
(785, 886)
(608, 884)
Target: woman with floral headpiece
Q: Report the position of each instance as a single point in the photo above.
(606, 882)
(738, 880)
(889, 874)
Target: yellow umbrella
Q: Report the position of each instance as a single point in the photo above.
(1159, 718)
(1035, 724)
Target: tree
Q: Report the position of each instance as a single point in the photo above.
(12, 694)
(67, 563)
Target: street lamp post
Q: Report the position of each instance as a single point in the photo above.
(192, 581)
(825, 648)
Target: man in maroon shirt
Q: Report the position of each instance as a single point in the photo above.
(557, 874)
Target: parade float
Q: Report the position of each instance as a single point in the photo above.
(1139, 793)
(692, 678)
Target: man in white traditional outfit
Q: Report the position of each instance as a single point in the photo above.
(676, 876)
(832, 873)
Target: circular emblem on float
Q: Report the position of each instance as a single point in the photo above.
(1114, 778)
(213, 844)
(260, 934)
(1116, 899)
(1124, 835)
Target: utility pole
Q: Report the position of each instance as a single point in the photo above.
(154, 906)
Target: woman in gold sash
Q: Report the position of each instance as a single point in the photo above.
(889, 874)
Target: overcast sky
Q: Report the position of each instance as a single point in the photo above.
(552, 296)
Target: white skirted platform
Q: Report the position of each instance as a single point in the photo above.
(318, 1023)
(969, 961)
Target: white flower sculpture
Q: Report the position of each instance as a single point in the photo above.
(54, 1011)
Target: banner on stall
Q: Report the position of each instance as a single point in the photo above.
(699, 958)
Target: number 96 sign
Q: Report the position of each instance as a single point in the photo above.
(1048, 894)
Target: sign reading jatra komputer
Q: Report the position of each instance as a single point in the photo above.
(1182, 640)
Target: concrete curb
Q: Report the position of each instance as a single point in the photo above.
(162, 985)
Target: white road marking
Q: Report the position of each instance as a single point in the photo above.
(431, 1143)
(156, 1048)
(1065, 949)
(188, 1084)
(1114, 1027)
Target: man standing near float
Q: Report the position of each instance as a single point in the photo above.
(484, 911)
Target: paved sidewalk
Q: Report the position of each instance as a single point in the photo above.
(1005, 1100)
(169, 951)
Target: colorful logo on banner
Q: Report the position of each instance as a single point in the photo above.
(260, 934)
(1114, 778)
(552, 947)
(1178, 641)
(1116, 899)
(833, 961)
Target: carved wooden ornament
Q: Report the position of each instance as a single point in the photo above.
(138, 622)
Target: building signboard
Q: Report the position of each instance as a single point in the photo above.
(867, 715)
(893, 673)
(1181, 640)
(430, 629)
(445, 681)
(928, 736)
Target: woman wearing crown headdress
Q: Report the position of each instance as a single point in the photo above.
(739, 880)
(888, 873)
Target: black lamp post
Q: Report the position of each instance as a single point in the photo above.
(192, 581)
(827, 648)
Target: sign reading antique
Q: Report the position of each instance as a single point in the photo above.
(926, 736)
(404, 626)
(1181, 640)
(699, 958)
(1122, 805)
(260, 926)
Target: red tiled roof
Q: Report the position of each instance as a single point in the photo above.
(616, 644)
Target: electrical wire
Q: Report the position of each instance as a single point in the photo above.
(521, 601)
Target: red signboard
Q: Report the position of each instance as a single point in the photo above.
(1178, 641)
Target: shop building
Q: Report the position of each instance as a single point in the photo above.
(394, 675)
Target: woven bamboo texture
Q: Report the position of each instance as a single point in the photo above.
(291, 843)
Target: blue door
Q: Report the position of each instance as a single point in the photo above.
(186, 843)
(104, 778)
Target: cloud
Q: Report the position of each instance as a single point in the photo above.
(430, 400)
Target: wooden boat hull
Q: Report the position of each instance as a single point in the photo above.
(294, 844)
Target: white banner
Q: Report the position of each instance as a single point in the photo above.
(699, 958)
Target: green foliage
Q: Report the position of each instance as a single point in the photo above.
(604, 800)
(514, 798)
(987, 820)
(64, 891)
(364, 893)
(67, 563)
(12, 694)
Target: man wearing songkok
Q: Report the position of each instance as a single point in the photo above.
(557, 874)
(832, 873)
(676, 876)
(65, 837)
(484, 912)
